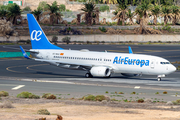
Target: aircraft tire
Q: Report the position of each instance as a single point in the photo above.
(88, 75)
(159, 79)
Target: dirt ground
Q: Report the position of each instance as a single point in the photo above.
(84, 112)
(26, 109)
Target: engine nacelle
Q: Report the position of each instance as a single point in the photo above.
(100, 71)
(129, 75)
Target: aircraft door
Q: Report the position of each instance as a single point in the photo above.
(152, 64)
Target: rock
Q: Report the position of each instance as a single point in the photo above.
(64, 22)
(104, 101)
(74, 21)
(42, 118)
(169, 103)
(6, 29)
(107, 98)
(103, 22)
(148, 100)
(45, 21)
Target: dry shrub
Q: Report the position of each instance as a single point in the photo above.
(28, 95)
(43, 112)
(147, 30)
(165, 92)
(140, 101)
(59, 117)
(121, 93)
(96, 98)
(113, 31)
(49, 96)
(89, 98)
(133, 93)
(100, 98)
(4, 94)
(6, 104)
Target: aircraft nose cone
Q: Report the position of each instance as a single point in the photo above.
(173, 68)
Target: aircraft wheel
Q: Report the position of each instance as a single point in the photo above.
(88, 75)
(159, 79)
(109, 76)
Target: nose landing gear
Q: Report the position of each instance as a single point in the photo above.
(158, 78)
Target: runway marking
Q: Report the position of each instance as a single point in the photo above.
(8, 68)
(18, 87)
(28, 67)
(137, 87)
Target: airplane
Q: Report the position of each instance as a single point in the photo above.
(97, 64)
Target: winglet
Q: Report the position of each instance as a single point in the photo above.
(24, 53)
(130, 50)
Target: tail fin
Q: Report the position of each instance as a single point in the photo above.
(38, 38)
(130, 50)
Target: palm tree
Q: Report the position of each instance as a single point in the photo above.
(118, 16)
(122, 9)
(130, 15)
(58, 16)
(37, 13)
(52, 11)
(175, 13)
(166, 13)
(156, 10)
(89, 8)
(14, 12)
(143, 14)
(3, 11)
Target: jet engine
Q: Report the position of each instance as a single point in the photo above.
(100, 71)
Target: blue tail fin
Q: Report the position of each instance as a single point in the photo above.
(130, 50)
(38, 38)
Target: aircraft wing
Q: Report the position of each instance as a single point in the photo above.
(86, 66)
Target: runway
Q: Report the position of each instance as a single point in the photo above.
(39, 77)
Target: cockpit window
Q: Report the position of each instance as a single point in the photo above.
(165, 62)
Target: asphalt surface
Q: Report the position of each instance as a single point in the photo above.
(19, 74)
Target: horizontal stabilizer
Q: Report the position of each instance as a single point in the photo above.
(24, 53)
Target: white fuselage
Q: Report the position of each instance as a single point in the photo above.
(117, 62)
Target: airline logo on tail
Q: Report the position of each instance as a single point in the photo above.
(35, 35)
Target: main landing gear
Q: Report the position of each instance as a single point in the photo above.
(88, 75)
